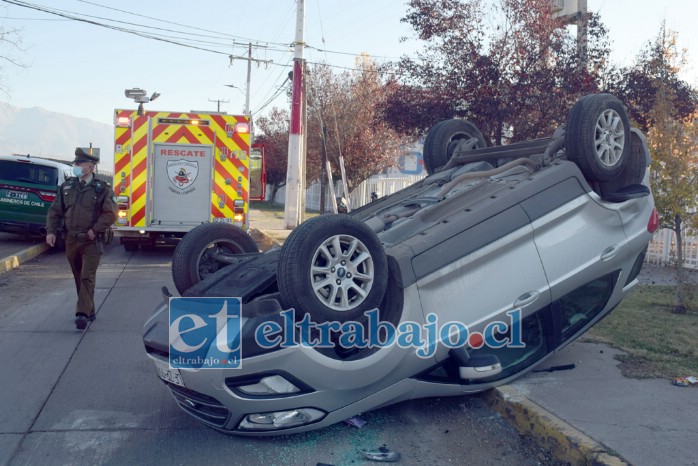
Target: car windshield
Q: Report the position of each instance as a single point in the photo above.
(28, 173)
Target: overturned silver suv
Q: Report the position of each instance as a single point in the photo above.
(454, 285)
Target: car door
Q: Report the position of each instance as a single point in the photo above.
(579, 239)
(482, 273)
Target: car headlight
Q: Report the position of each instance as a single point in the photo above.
(271, 385)
(280, 419)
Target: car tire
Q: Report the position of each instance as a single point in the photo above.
(442, 139)
(314, 278)
(193, 257)
(597, 137)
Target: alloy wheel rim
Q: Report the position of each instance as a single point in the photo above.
(342, 272)
(609, 138)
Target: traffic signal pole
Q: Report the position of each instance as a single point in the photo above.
(294, 174)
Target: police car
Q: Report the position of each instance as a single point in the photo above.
(28, 186)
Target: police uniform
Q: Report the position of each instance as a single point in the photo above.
(82, 206)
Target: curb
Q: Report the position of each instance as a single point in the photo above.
(549, 431)
(14, 261)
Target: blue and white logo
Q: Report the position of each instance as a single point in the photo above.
(205, 333)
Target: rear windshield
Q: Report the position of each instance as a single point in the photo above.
(28, 173)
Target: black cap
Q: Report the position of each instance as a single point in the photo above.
(86, 154)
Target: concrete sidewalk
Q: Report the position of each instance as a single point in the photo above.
(14, 260)
(590, 414)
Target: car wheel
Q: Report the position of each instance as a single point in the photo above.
(443, 138)
(196, 255)
(597, 137)
(332, 267)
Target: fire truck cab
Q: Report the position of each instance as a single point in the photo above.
(174, 171)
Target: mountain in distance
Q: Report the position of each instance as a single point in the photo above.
(42, 133)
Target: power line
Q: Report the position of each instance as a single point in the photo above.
(281, 89)
(145, 34)
(175, 23)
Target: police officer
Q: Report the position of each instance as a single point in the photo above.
(86, 207)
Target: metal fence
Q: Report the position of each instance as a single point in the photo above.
(382, 185)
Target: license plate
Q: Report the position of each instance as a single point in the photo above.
(17, 195)
(167, 374)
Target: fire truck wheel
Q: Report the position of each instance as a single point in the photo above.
(195, 257)
(332, 267)
(130, 246)
(597, 137)
(443, 138)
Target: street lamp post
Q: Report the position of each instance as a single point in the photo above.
(246, 110)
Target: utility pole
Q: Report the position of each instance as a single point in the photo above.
(249, 78)
(294, 174)
(249, 59)
(575, 12)
(582, 29)
(219, 103)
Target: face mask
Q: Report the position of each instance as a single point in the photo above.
(77, 171)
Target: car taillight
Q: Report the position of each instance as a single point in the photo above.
(46, 196)
(653, 224)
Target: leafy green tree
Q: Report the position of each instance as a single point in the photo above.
(665, 106)
(674, 147)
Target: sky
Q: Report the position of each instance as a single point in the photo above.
(82, 69)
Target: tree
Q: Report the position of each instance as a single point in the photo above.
(9, 39)
(507, 65)
(656, 70)
(349, 106)
(673, 141)
(274, 136)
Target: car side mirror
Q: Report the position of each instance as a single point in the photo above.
(476, 367)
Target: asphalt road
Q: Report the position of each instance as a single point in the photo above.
(79, 398)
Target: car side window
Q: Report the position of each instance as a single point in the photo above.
(26, 173)
(579, 307)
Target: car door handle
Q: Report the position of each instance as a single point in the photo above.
(526, 299)
(609, 252)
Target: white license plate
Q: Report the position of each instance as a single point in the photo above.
(167, 374)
